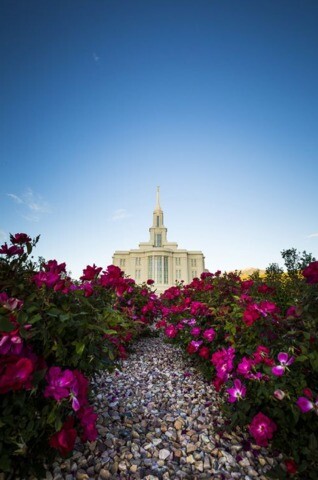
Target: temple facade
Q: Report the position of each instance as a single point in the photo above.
(158, 259)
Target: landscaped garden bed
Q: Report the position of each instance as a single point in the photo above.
(254, 339)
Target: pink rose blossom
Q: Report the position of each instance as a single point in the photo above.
(198, 308)
(54, 267)
(59, 383)
(267, 308)
(292, 312)
(244, 298)
(209, 334)
(15, 373)
(195, 331)
(311, 273)
(261, 355)
(223, 362)
(67, 384)
(11, 343)
(10, 251)
(279, 394)
(46, 278)
(262, 428)
(307, 391)
(291, 466)
(245, 366)
(20, 238)
(192, 322)
(90, 273)
(64, 439)
(285, 361)
(10, 303)
(237, 392)
(204, 352)
(218, 383)
(305, 405)
(3, 297)
(250, 315)
(180, 326)
(247, 284)
(194, 346)
(171, 331)
(88, 423)
(87, 289)
(265, 289)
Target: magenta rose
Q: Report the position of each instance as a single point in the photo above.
(262, 428)
(171, 331)
(209, 334)
(64, 439)
(311, 273)
(195, 331)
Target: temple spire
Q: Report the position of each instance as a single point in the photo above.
(158, 213)
(158, 199)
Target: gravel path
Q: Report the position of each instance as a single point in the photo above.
(158, 419)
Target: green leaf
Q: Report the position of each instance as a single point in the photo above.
(301, 358)
(110, 332)
(99, 328)
(51, 417)
(54, 312)
(6, 325)
(32, 309)
(35, 318)
(79, 347)
(111, 355)
(58, 424)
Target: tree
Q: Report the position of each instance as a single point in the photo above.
(295, 261)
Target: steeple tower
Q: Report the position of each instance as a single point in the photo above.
(158, 199)
(158, 232)
(157, 213)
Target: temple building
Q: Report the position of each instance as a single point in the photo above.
(158, 259)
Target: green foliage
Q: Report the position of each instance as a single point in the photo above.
(277, 328)
(295, 261)
(59, 325)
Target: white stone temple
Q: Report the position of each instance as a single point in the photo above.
(159, 259)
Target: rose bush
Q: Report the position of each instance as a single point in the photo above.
(55, 333)
(256, 339)
(258, 344)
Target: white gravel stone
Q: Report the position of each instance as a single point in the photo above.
(155, 422)
(164, 453)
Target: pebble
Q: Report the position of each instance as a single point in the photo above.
(156, 423)
(163, 454)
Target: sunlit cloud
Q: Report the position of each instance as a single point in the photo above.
(33, 203)
(120, 214)
(15, 198)
(36, 202)
(312, 235)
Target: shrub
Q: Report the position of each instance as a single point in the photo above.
(262, 354)
(54, 335)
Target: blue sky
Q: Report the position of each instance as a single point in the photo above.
(215, 101)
